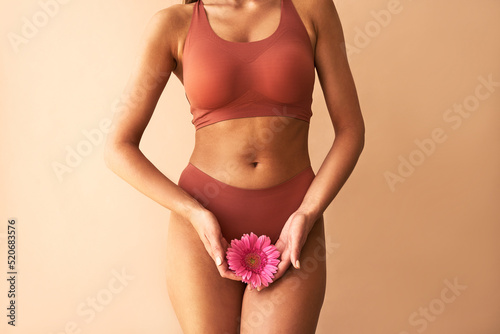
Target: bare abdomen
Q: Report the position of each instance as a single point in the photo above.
(254, 152)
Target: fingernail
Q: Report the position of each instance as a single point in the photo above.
(218, 261)
(297, 264)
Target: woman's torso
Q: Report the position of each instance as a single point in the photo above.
(252, 152)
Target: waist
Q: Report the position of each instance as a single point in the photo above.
(255, 152)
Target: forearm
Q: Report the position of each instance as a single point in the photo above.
(128, 162)
(334, 172)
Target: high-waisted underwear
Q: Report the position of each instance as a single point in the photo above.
(239, 210)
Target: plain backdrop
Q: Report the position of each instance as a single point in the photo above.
(414, 233)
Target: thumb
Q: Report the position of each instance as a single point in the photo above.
(295, 253)
(215, 247)
(218, 254)
(297, 239)
(221, 252)
(280, 245)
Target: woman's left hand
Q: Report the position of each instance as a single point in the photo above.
(292, 238)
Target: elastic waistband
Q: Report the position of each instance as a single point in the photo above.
(196, 177)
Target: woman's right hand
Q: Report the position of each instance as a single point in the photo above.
(206, 225)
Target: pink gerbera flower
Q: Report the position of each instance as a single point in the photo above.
(254, 259)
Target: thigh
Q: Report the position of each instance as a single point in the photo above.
(203, 301)
(293, 303)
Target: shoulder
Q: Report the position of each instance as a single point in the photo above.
(168, 27)
(172, 19)
(322, 14)
(321, 20)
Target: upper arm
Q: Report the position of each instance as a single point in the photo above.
(153, 66)
(333, 69)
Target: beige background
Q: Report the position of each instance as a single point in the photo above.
(396, 244)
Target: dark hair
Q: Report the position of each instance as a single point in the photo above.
(189, 1)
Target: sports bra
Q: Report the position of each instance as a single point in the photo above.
(225, 80)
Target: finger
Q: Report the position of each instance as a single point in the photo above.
(225, 272)
(295, 250)
(283, 265)
(213, 237)
(215, 245)
(219, 247)
(209, 248)
(220, 262)
(282, 268)
(297, 241)
(280, 245)
(224, 243)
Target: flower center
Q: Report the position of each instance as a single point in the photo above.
(252, 260)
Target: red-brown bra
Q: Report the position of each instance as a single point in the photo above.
(269, 77)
